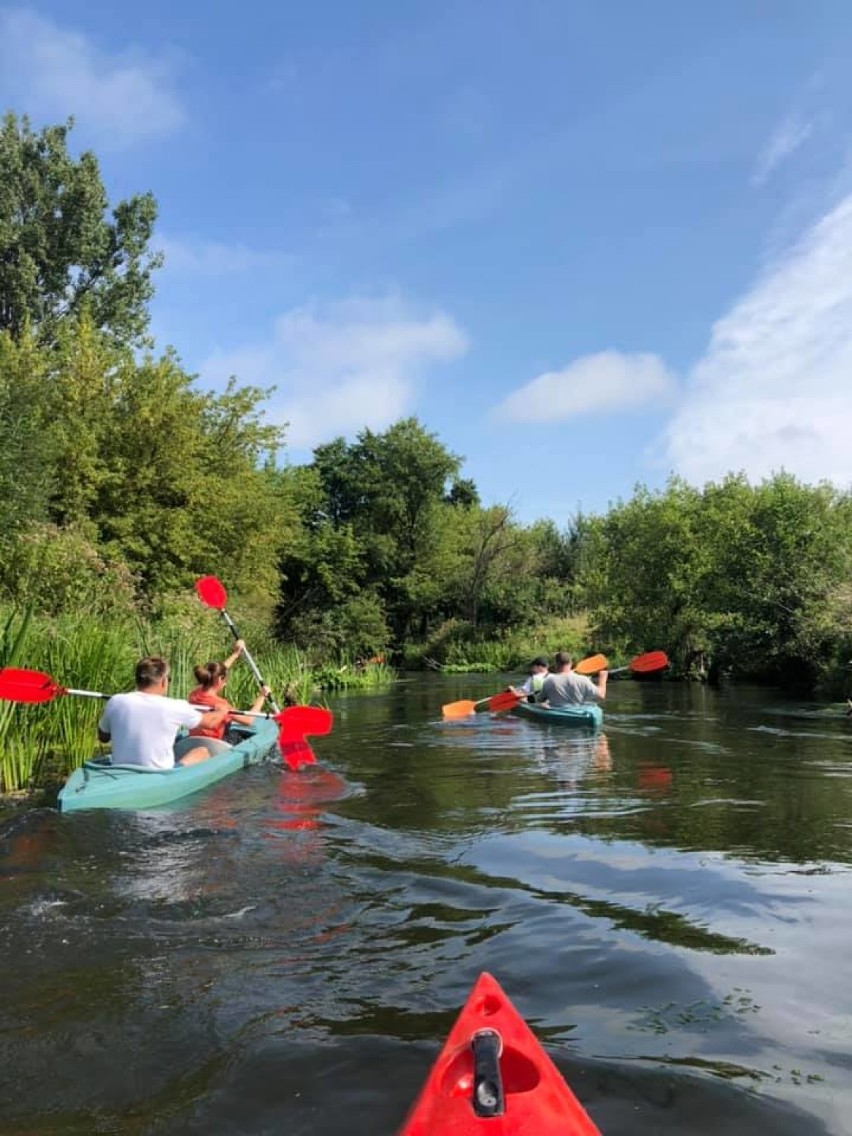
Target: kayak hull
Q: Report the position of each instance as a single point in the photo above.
(98, 784)
(588, 716)
(532, 1097)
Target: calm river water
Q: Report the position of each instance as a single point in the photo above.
(667, 903)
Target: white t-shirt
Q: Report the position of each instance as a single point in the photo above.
(142, 727)
(568, 689)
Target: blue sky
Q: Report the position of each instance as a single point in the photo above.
(588, 244)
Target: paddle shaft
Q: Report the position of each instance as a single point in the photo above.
(253, 667)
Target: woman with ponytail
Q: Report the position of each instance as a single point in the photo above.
(211, 682)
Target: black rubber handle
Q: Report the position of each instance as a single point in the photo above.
(488, 1099)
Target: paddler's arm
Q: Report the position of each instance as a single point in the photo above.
(232, 658)
(256, 707)
(212, 719)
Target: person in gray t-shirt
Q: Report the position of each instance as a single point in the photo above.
(564, 688)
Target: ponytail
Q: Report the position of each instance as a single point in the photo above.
(208, 674)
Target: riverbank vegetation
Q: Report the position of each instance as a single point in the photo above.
(122, 480)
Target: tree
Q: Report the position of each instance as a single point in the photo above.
(26, 468)
(464, 493)
(642, 570)
(59, 251)
(391, 489)
(169, 480)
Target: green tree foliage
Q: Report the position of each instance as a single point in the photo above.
(389, 490)
(379, 521)
(61, 248)
(753, 576)
(642, 569)
(26, 469)
(148, 471)
(781, 550)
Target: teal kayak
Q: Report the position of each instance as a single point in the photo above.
(98, 784)
(587, 716)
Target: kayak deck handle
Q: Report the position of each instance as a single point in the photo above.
(488, 1098)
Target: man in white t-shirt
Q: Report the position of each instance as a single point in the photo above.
(142, 724)
(564, 688)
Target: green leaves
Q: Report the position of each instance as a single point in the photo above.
(748, 574)
(60, 250)
(131, 465)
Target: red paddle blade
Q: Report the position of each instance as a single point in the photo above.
(296, 754)
(504, 701)
(494, 1073)
(294, 724)
(591, 665)
(17, 685)
(211, 592)
(649, 662)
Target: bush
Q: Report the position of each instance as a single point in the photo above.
(55, 569)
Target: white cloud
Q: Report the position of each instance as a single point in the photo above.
(790, 135)
(343, 367)
(52, 72)
(774, 388)
(215, 258)
(608, 381)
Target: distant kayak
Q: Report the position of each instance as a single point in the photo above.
(492, 1078)
(98, 784)
(588, 715)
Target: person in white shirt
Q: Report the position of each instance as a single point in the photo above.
(564, 688)
(142, 724)
(532, 687)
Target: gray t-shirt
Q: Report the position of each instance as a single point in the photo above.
(568, 689)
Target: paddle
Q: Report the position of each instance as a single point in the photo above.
(294, 723)
(648, 663)
(507, 699)
(212, 593)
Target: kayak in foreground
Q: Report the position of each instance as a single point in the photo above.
(98, 784)
(588, 715)
(492, 1078)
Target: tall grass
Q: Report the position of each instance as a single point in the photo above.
(355, 676)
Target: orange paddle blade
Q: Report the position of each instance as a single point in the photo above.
(592, 665)
(649, 662)
(459, 709)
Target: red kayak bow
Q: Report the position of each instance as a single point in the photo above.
(492, 1078)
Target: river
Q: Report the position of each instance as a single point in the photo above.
(667, 903)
